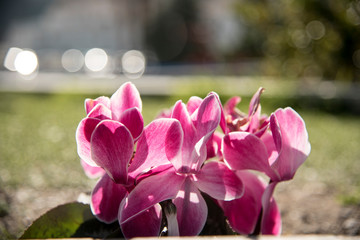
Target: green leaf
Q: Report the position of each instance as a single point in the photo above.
(69, 220)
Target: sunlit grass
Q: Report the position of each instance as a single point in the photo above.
(38, 149)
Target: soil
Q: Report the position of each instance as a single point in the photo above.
(306, 208)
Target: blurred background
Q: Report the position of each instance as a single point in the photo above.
(54, 54)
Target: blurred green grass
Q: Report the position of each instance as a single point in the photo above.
(38, 149)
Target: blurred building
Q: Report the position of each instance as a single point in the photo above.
(166, 31)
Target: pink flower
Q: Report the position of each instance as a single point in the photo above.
(124, 106)
(278, 153)
(112, 148)
(185, 150)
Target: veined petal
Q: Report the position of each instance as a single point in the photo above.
(185, 163)
(106, 198)
(159, 144)
(213, 146)
(288, 128)
(146, 224)
(208, 116)
(127, 96)
(191, 209)
(230, 106)
(149, 192)
(112, 148)
(255, 101)
(243, 213)
(100, 111)
(271, 218)
(92, 171)
(222, 114)
(218, 181)
(91, 103)
(83, 136)
(193, 104)
(243, 151)
(133, 120)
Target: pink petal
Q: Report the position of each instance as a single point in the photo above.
(90, 103)
(185, 163)
(271, 218)
(100, 111)
(291, 140)
(106, 198)
(213, 146)
(254, 121)
(222, 114)
(255, 101)
(83, 137)
(127, 96)
(159, 144)
(193, 104)
(146, 224)
(208, 119)
(133, 120)
(218, 181)
(92, 171)
(112, 148)
(149, 192)
(191, 209)
(243, 150)
(243, 213)
(209, 114)
(230, 105)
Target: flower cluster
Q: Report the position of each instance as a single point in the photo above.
(162, 171)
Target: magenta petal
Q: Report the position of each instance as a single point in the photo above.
(92, 171)
(83, 137)
(222, 114)
(213, 146)
(159, 144)
(112, 148)
(255, 101)
(106, 198)
(185, 163)
(191, 209)
(133, 120)
(218, 181)
(271, 218)
(149, 192)
(243, 213)
(291, 140)
(230, 105)
(243, 151)
(208, 116)
(127, 96)
(90, 103)
(100, 111)
(193, 104)
(146, 224)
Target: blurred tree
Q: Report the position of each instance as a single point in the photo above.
(303, 38)
(176, 34)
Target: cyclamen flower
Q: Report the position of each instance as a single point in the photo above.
(278, 152)
(112, 148)
(124, 106)
(105, 140)
(186, 175)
